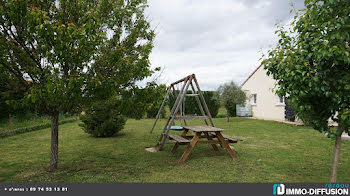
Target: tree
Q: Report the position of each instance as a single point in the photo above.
(70, 52)
(311, 65)
(10, 92)
(230, 95)
(156, 94)
(137, 101)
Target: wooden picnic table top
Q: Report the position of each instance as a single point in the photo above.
(200, 128)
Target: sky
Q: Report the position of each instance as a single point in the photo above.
(218, 40)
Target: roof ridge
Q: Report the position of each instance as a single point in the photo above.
(251, 75)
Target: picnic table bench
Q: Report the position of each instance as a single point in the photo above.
(207, 132)
(229, 139)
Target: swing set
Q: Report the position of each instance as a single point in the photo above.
(177, 112)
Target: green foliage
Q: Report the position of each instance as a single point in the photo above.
(231, 109)
(153, 111)
(11, 92)
(61, 53)
(103, 118)
(221, 116)
(157, 96)
(68, 53)
(311, 63)
(191, 106)
(230, 95)
(212, 102)
(136, 102)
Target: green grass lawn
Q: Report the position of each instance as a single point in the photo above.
(26, 121)
(270, 152)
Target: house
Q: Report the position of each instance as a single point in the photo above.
(264, 102)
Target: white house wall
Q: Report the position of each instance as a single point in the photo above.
(267, 106)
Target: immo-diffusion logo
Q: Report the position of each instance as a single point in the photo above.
(328, 189)
(278, 189)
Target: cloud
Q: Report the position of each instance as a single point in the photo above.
(218, 40)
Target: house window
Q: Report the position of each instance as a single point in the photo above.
(254, 97)
(280, 100)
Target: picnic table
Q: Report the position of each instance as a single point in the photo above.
(208, 132)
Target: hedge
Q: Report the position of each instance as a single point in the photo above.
(33, 128)
(191, 106)
(153, 111)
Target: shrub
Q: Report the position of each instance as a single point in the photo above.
(103, 118)
(221, 116)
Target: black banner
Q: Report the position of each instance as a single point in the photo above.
(165, 189)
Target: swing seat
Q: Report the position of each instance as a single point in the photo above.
(176, 128)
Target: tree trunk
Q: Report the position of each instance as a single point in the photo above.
(227, 115)
(54, 142)
(336, 155)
